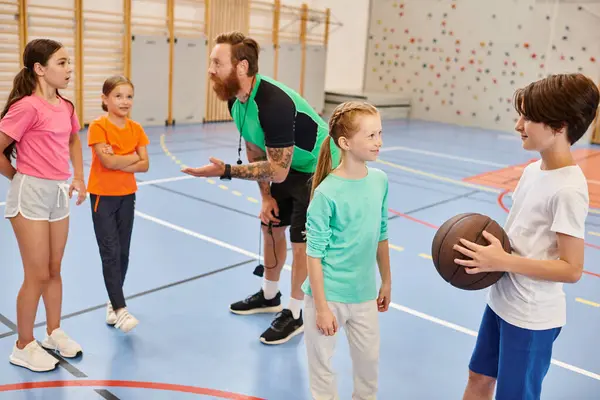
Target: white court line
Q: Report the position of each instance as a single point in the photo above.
(441, 155)
(395, 306)
(440, 178)
(165, 180)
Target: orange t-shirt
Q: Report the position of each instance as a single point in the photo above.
(106, 182)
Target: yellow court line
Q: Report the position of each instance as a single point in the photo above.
(589, 303)
(594, 233)
(427, 256)
(394, 247)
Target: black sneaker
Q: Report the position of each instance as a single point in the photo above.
(257, 303)
(283, 328)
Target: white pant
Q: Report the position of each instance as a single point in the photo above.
(361, 323)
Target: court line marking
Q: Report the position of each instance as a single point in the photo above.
(394, 247)
(187, 177)
(399, 307)
(128, 384)
(165, 180)
(106, 394)
(8, 323)
(589, 303)
(70, 368)
(441, 155)
(438, 177)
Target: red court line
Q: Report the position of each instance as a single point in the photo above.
(127, 384)
(591, 273)
(413, 219)
(501, 200)
(501, 203)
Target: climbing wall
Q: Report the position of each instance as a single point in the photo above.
(460, 61)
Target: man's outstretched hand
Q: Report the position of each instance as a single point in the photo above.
(216, 168)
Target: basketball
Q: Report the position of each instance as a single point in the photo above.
(469, 226)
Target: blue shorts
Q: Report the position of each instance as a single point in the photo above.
(518, 358)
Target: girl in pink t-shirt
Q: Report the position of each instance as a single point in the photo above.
(42, 127)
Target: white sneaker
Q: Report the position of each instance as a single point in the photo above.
(125, 321)
(33, 357)
(61, 342)
(111, 317)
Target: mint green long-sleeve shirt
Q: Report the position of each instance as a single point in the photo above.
(346, 220)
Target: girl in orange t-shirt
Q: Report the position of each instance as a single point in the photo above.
(118, 152)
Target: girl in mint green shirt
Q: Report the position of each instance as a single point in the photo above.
(346, 233)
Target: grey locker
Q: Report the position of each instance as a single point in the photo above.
(190, 80)
(150, 76)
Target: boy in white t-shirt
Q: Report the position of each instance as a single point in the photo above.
(526, 308)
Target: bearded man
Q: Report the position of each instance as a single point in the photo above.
(283, 136)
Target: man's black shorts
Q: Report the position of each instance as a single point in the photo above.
(293, 196)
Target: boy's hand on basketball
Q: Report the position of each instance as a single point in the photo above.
(326, 322)
(385, 297)
(489, 258)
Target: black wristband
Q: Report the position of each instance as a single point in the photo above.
(227, 174)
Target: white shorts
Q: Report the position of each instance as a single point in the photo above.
(37, 199)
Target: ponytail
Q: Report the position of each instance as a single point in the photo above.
(23, 85)
(342, 123)
(323, 165)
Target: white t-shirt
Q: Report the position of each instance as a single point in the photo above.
(544, 203)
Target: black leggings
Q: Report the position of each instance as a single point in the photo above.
(113, 223)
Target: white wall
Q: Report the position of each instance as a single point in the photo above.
(460, 61)
(347, 44)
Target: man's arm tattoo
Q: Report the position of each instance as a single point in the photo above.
(281, 157)
(264, 170)
(255, 154)
(265, 188)
(256, 171)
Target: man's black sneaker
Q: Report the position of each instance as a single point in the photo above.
(283, 328)
(257, 303)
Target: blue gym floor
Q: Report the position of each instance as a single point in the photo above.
(195, 245)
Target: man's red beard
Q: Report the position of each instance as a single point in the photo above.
(227, 88)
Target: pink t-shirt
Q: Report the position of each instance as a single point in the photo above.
(42, 132)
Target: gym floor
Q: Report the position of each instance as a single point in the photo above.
(195, 245)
